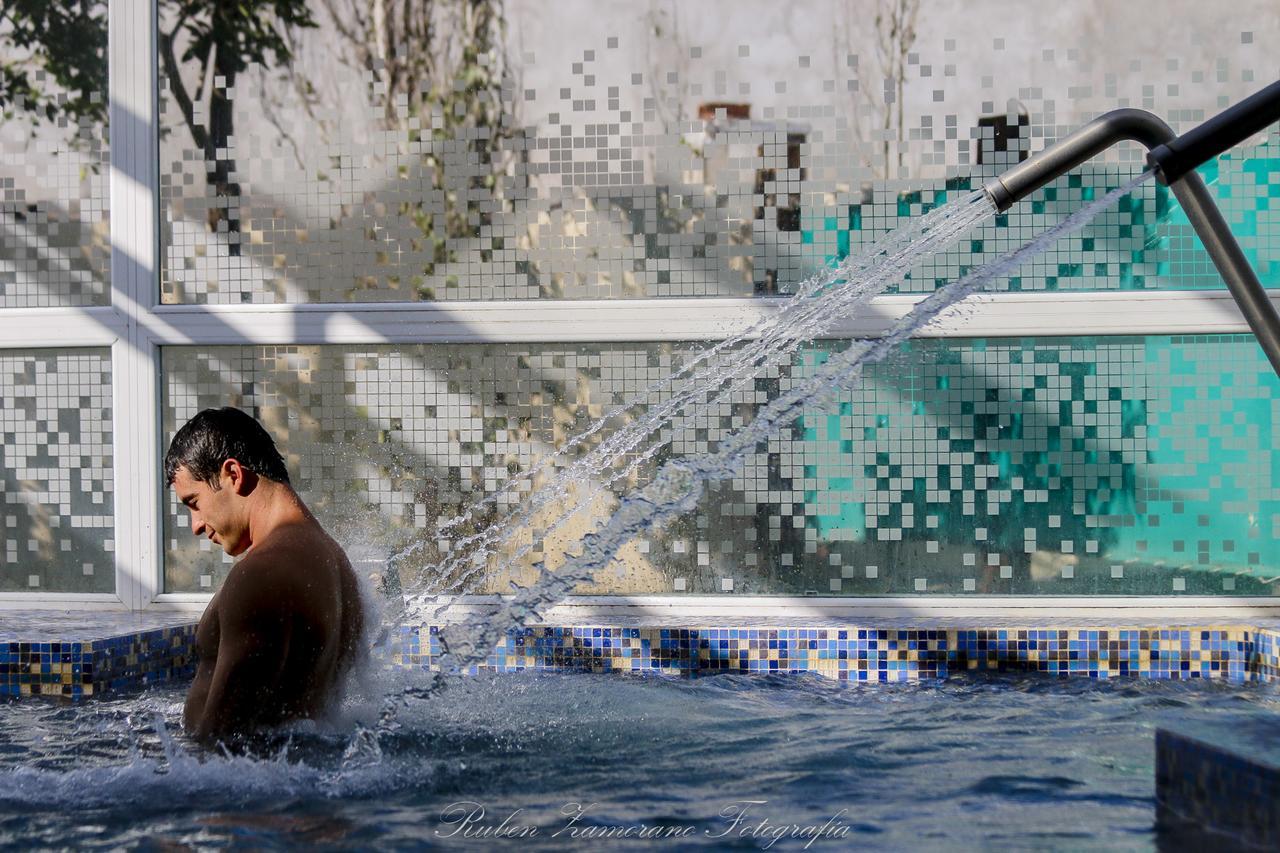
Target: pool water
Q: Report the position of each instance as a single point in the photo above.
(1020, 761)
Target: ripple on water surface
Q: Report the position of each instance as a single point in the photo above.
(1019, 760)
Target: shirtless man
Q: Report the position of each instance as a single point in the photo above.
(277, 638)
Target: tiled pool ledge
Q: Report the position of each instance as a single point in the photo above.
(93, 654)
(86, 654)
(878, 652)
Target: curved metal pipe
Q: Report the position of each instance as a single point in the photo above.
(1070, 151)
(1213, 231)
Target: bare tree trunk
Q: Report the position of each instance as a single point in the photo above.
(224, 215)
(224, 212)
(895, 36)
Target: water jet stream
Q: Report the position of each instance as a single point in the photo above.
(678, 484)
(711, 379)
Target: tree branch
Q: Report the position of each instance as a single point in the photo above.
(338, 23)
(177, 87)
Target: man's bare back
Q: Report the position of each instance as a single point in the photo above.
(287, 624)
(277, 638)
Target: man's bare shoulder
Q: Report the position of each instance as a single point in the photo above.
(255, 583)
(295, 570)
(296, 542)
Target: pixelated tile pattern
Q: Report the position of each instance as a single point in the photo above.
(1217, 788)
(57, 528)
(99, 667)
(1081, 465)
(1266, 650)
(131, 661)
(864, 654)
(424, 430)
(1030, 465)
(55, 243)
(1101, 653)
(632, 165)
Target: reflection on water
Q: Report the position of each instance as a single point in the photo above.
(993, 761)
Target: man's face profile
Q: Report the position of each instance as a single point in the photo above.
(216, 513)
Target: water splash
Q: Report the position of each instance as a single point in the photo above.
(810, 736)
(575, 480)
(678, 485)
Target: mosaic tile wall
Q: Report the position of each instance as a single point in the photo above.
(1267, 646)
(54, 160)
(865, 654)
(1006, 466)
(56, 497)
(676, 150)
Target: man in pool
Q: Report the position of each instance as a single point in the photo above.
(276, 640)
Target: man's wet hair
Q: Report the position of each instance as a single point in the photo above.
(216, 435)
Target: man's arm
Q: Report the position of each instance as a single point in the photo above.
(252, 648)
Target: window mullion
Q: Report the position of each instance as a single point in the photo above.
(134, 130)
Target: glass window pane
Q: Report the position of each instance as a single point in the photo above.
(56, 500)
(477, 151)
(54, 160)
(1072, 466)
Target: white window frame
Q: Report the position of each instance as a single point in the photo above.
(135, 326)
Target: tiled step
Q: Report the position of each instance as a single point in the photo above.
(1220, 778)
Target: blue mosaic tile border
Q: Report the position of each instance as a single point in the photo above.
(1266, 650)
(879, 655)
(131, 661)
(97, 667)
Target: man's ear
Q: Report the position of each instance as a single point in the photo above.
(236, 476)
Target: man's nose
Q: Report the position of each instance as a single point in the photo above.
(197, 524)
